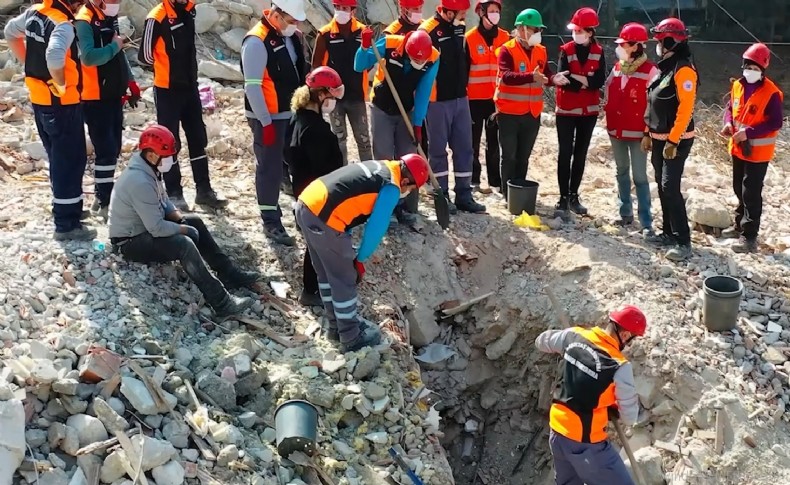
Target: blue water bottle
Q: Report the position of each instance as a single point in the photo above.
(98, 245)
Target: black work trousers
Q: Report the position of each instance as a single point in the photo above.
(196, 258)
(176, 108)
(573, 136)
(309, 276)
(518, 135)
(747, 182)
(104, 119)
(668, 176)
(481, 110)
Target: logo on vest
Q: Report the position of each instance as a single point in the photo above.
(522, 66)
(480, 49)
(736, 103)
(752, 110)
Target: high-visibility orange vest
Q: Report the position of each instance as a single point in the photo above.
(752, 113)
(592, 358)
(400, 28)
(396, 59)
(584, 102)
(174, 55)
(43, 19)
(339, 55)
(483, 70)
(110, 80)
(524, 98)
(345, 198)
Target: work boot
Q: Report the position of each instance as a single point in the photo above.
(660, 240)
(179, 201)
(103, 213)
(405, 217)
(369, 336)
(624, 221)
(732, 232)
(85, 215)
(745, 245)
(561, 208)
(209, 198)
(467, 203)
(95, 205)
(576, 206)
(681, 252)
(238, 278)
(286, 187)
(450, 206)
(82, 233)
(310, 299)
(232, 306)
(278, 234)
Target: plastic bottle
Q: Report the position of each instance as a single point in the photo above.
(98, 245)
(218, 54)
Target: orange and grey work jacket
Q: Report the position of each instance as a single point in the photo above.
(596, 376)
(169, 45)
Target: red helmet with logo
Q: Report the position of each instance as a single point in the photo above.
(759, 54)
(632, 33)
(418, 167)
(418, 46)
(344, 3)
(630, 318)
(411, 3)
(457, 5)
(670, 28)
(584, 18)
(327, 78)
(158, 139)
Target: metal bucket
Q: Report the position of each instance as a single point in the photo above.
(721, 302)
(296, 426)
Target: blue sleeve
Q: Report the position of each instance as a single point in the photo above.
(379, 221)
(366, 58)
(422, 96)
(90, 55)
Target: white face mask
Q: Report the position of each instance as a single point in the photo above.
(328, 105)
(580, 37)
(111, 9)
(404, 195)
(659, 50)
(290, 30)
(622, 54)
(493, 17)
(457, 22)
(415, 17)
(535, 39)
(165, 164)
(342, 17)
(418, 65)
(752, 76)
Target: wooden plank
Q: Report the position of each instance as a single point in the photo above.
(110, 385)
(719, 443)
(289, 342)
(205, 450)
(102, 445)
(463, 306)
(670, 447)
(134, 471)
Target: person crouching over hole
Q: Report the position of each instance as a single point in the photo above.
(313, 149)
(327, 210)
(145, 227)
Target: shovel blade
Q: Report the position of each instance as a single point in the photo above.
(441, 207)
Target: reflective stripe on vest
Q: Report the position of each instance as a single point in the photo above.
(580, 412)
(166, 70)
(751, 113)
(584, 102)
(40, 24)
(483, 68)
(626, 134)
(339, 55)
(345, 198)
(525, 98)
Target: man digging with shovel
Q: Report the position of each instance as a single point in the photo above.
(598, 383)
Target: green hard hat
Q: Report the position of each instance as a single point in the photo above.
(530, 18)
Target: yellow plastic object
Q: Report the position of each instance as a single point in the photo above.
(532, 222)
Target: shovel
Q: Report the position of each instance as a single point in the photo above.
(439, 200)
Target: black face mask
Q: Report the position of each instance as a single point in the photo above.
(181, 7)
(669, 43)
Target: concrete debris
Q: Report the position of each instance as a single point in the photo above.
(89, 429)
(108, 416)
(12, 438)
(170, 474)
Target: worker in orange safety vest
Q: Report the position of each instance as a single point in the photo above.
(753, 119)
(409, 19)
(482, 43)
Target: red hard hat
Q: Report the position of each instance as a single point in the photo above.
(327, 78)
(411, 3)
(759, 54)
(630, 318)
(418, 46)
(632, 33)
(345, 3)
(418, 167)
(159, 139)
(584, 18)
(457, 5)
(671, 27)
(482, 3)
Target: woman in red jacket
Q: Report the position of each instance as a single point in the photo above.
(626, 102)
(577, 106)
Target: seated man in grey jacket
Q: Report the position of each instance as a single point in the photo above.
(146, 227)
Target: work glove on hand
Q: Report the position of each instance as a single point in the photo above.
(418, 134)
(360, 268)
(55, 88)
(269, 134)
(367, 38)
(670, 151)
(647, 144)
(134, 94)
(192, 233)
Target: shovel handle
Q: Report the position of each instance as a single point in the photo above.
(629, 452)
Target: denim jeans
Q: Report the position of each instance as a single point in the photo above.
(632, 161)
